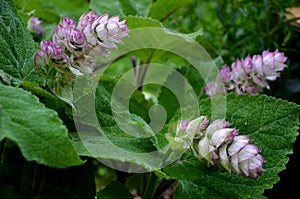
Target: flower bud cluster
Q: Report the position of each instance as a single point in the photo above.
(250, 75)
(74, 46)
(34, 26)
(219, 145)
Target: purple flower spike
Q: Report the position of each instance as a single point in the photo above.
(73, 47)
(250, 75)
(222, 147)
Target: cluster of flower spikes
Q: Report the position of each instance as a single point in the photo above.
(250, 75)
(73, 48)
(219, 145)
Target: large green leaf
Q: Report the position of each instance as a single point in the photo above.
(101, 136)
(162, 9)
(272, 125)
(16, 44)
(36, 129)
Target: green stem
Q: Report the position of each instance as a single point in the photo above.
(144, 71)
(151, 186)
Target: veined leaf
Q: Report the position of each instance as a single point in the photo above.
(37, 130)
(17, 45)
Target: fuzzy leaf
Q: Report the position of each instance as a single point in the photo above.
(37, 130)
(17, 45)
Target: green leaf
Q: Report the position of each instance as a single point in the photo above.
(189, 190)
(271, 124)
(118, 7)
(141, 22)
(114, 191)
(162, 9)
(195, 80)
(37, 131)
(102, 137)
(17, 45)
(52, 10)
(45, 97)
(141, 7)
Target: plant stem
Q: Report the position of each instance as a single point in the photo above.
(144, 72)
(151, 186)
(163, 187)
